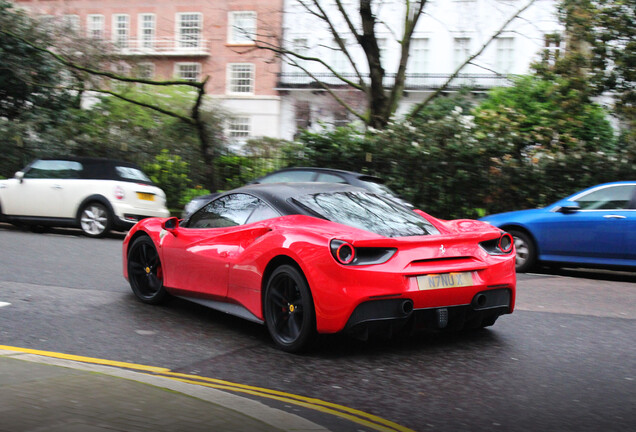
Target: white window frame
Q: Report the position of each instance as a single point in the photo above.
(95, 26)
(301, 46)
(339, 59)
(233, 78)
(117, 33)
(178, 70)
(461, 50)
(383, 47)
(237, 33)
(420, 55)
(144, 41)
(183, 40)
(239, 128)
(554, 45)
(505, 60)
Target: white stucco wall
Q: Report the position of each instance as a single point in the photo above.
(443, 22)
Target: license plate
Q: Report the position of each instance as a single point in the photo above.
(145, 196)
(445, 280)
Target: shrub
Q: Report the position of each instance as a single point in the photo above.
(170, 173)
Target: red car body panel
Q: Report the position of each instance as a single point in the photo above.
(229, 264)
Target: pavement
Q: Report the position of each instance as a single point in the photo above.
(45, 394)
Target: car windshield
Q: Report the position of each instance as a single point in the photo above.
(369, 212)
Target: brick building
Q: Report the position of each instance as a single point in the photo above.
(188, 39)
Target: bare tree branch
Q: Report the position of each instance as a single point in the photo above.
(292, 54)
(106, 74)
(206, 142)
(339, 40)
(345, 15)
(333, 94)
(443, 87)
(411, 17)
(185, 119)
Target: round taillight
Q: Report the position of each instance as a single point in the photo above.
(119, 193)
(342, 251)
(505, 243)
(345, 253)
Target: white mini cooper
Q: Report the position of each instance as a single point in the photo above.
(96, 195)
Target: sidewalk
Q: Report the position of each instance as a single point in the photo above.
(43, 394)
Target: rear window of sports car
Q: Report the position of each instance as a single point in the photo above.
(369, 212)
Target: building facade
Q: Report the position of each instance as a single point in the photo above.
(188, 39)
(266, 96)
(446, 35)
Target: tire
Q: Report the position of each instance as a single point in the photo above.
(95, 220)
(145, 272)
(289, 309)
(526, 251)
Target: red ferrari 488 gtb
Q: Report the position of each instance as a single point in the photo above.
(309, 258)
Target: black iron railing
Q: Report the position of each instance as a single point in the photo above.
(300, 80)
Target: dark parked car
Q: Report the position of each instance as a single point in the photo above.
(304, 174)
(595, 227)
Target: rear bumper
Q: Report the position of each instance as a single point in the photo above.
(485, 307)
(355, 297)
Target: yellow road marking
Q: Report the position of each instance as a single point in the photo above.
(86, 359)
(360, 417)
(274, 394)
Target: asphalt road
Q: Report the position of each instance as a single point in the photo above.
(565, 360)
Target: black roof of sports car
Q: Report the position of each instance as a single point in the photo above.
(279, 194)
(368, 211)
(349, 175)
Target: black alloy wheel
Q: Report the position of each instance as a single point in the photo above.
(526, 251)
(289, 309)
(145, 273)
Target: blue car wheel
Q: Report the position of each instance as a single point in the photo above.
(526, 251)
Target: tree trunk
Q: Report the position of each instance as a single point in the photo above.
(378, 116)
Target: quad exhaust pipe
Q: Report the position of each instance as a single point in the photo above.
(407, 307)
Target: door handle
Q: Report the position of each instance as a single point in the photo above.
(614, 217)
(56, 187)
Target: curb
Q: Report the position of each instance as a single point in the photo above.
(247, 407)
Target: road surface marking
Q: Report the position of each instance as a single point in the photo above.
(2, 304)
(360, 417)
(86, 359)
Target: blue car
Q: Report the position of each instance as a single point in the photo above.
(595, 227)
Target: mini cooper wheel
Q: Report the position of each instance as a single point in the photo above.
(95, 220)
(145, 273)
(289, 309)
(526, 251)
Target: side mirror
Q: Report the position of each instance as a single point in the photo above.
(170, 224)
(569, 207)
(20, 176)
